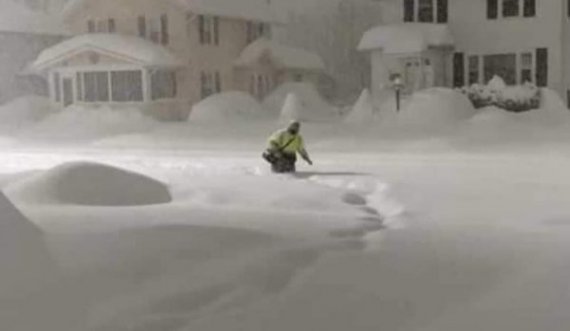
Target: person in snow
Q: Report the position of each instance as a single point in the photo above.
(283, 148)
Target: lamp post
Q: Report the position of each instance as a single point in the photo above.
(398, 86)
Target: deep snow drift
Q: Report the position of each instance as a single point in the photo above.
(89, 184)
(25, 262)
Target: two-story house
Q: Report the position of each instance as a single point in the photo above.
(164, 55)
(461, 42)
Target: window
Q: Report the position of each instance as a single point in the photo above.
(127, 86)
(101, 26)
(209, 27)
(442, 11)
(502, 65)
(164, 37)
(529, 9)
(473, 69)
(409, 10)
(96, 86)
(57, 87)
(210, 83)
(257, 30)
(542, 67)
(91, 26)
(260, 85)
(428, 11)
(163, 84)
(154, 29)
(492, 9)
(142, 26)
(112, 28)
(79, 87)
(458, 70)
(510, 8)
(425, 11)
(526, 67)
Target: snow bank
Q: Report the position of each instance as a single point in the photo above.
(23, 112)
(292, 109)
(86, 123)
(436, 108)
(315, 108)
(363, 110)
(228, 107)
(89, 184)
(25, 262)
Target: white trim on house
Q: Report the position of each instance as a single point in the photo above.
(130, 49)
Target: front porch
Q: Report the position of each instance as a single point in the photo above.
(111, 70)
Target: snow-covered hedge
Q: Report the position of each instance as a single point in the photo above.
(496, 93)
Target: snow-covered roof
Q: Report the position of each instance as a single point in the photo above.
(15, 17)
(129, 48)
(406, 38)
(255, 10)
(281, 55)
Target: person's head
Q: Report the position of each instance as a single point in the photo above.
(294, 127)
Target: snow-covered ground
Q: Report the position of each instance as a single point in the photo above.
(466, 228)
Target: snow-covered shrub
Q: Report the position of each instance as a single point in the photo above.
(363, 110)
(291, 110)
(24, 111)
(228, 107)
(435, 109)
(496, 93)
(78, 122)
(315, 108)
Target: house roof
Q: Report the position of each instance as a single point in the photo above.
(406, 38)
(15, 17)
(128, 48)
(255, 10)
(281, 55)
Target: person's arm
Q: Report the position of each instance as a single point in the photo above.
(303, 152)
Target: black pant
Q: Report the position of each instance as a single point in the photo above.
(285, 163)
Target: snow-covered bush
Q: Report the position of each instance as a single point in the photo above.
(363, 110)
(292, 109)
(78, 122)
(315, 108)
(228, 107)
(496, 93)
(24, 111)
(436, 108)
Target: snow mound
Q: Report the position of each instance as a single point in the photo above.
(436, 108)
(227, 107)
(363, 110)
(292, 109)
(78, 122)
(24, 111)
(90, 184)
(24, 258)
(315, 108)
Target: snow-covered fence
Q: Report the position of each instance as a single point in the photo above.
(517, 99)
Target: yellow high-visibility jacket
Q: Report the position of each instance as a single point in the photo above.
(280, 138)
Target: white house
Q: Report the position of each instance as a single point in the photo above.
(461, 42)
(165, 55)
(23, 34)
